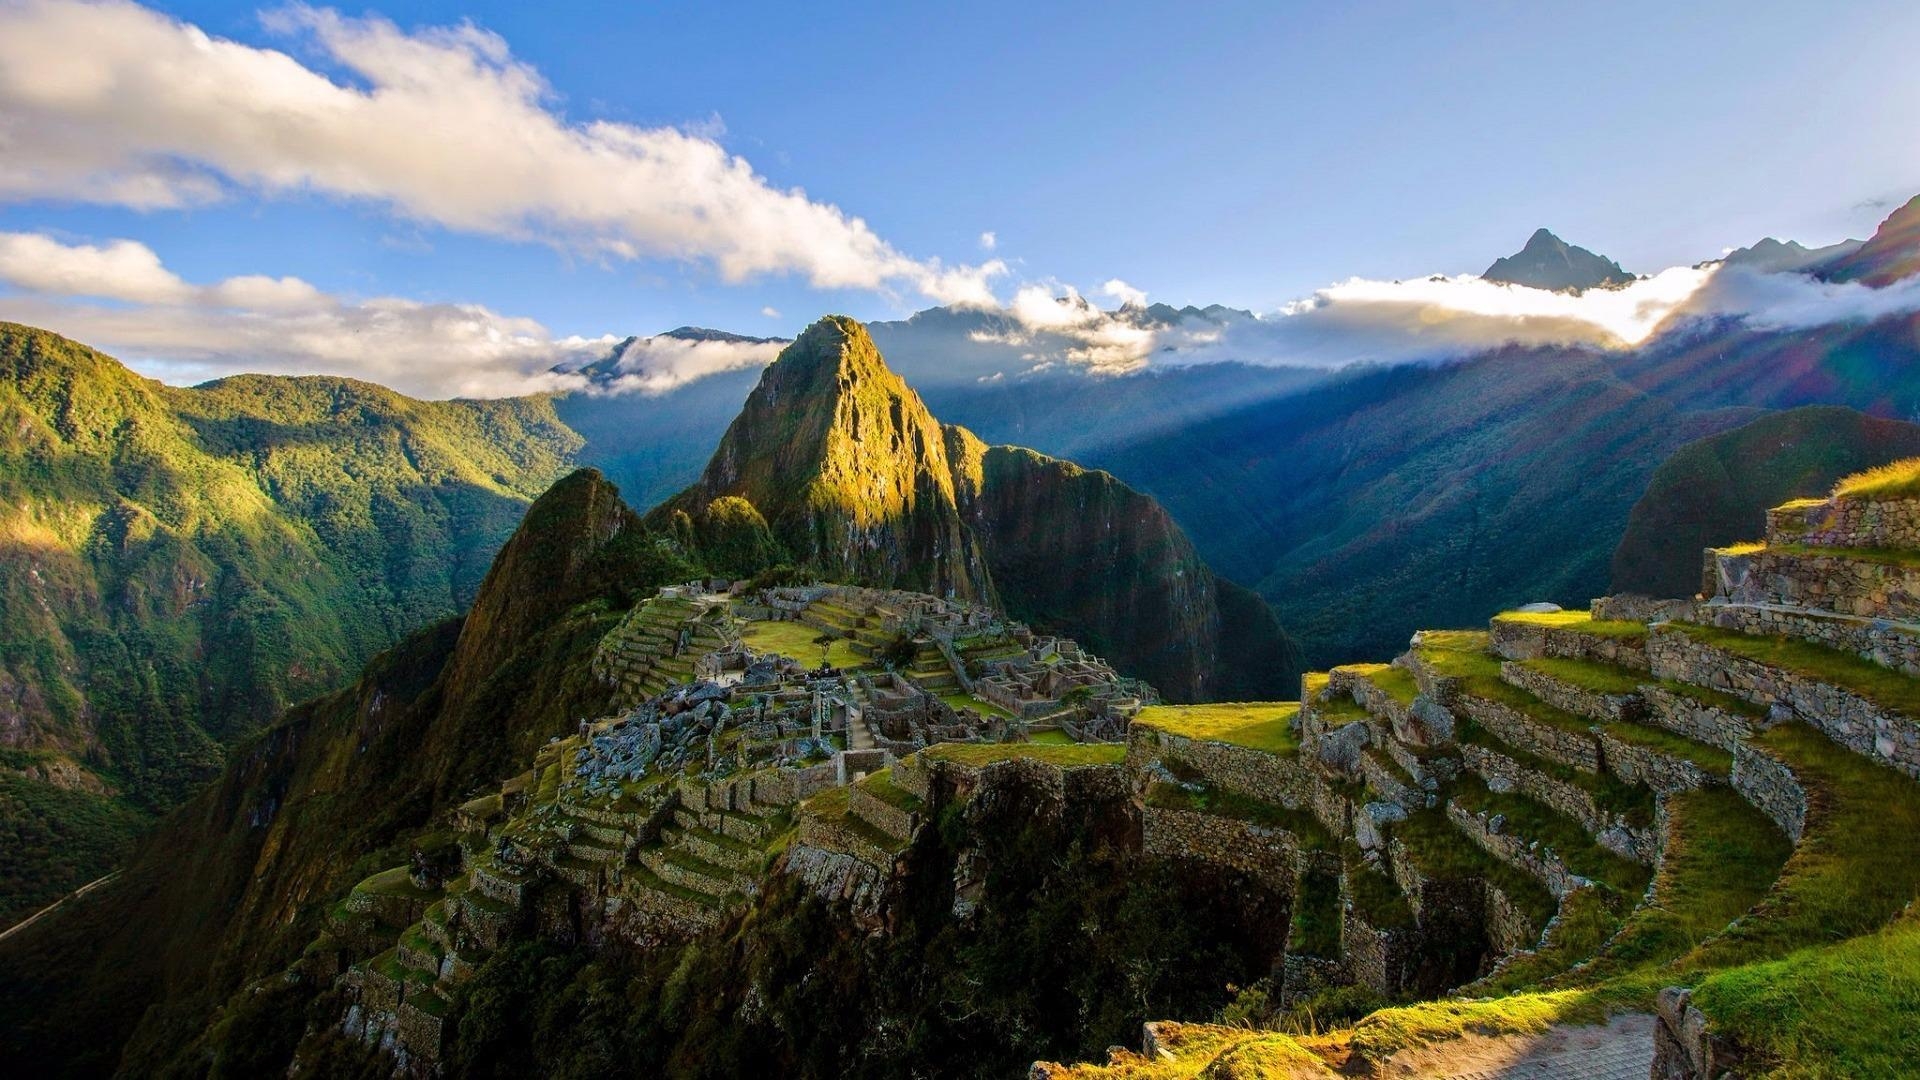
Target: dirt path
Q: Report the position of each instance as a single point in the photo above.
(1620, 1050)
(43, 912)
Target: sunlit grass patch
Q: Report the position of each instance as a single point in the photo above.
(1259, 725)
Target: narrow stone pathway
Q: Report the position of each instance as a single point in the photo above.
(1622, 1049)
(43, 912)
(859, 736)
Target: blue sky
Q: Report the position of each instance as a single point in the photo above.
(1242, 154)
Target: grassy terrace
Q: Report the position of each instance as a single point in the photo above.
(1463, 655)
(395, 882)
(1710, 759)
(880, 785)
(1722, 856)
(1609, 792)
(1392, 767)
(1578, 621)
(1845, 1011)
(1440, 851)
(1854, 869)
(960, 699)
(1907, 560)
(1262, 725)
(1202, 799)
(1587, 919)
(1587, 675)
(1881, 686)
(1536, 822)
(1376, 897)
(795, 640)
(1065, 756)
(640, 876)
(1894, 480)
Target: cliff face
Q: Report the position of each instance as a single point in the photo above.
(1076, 547)
(858, 481)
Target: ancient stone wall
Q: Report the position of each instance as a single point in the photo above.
(1517, 639)
(1253, 773)
(1514, 851)
(1840, 583)
(1767, 783)
(1845, 717)
(1847, 523)
(1889, 644)
(1663, 773)
(1574, 699)
(1695, 719)
(1268, 854)
(1577, 749)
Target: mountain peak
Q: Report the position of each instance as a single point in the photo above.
(1548, 262)
(1892, 253)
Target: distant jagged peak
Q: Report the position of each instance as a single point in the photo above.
(1892, 253)
(1548, 262)
(1787, 256)
(703, 333)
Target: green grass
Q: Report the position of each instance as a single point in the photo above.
(1854, 869)
(1376, 898)
(1065, 756)
(1710, 759)
(1316, 917)
(1534, 821)
(1383, 1033)
(1263, 725)
(880, 785)
(1587, 675)
(1051, 737)
(395, 882)
(1580, 621)
(1587, 919)
(1202, 799)
(1213, 1052)
(1881, 686)
(1463, 655)
(1441, 852)
(795, 641)
(1844, 1011)
(1722, 857)
(1397, 682)
(960, 699)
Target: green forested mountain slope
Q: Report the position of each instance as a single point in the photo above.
(1716, 491)
(177, 566)
(234, 878)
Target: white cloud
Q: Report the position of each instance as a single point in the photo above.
(114, 103)
(120, 270)
(183, 332)
(770, 312)
(1125, 294)
(988, 241)
(655, 365)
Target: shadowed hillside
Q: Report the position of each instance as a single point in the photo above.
(1716, 491)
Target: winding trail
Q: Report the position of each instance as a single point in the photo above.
(45, 911)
